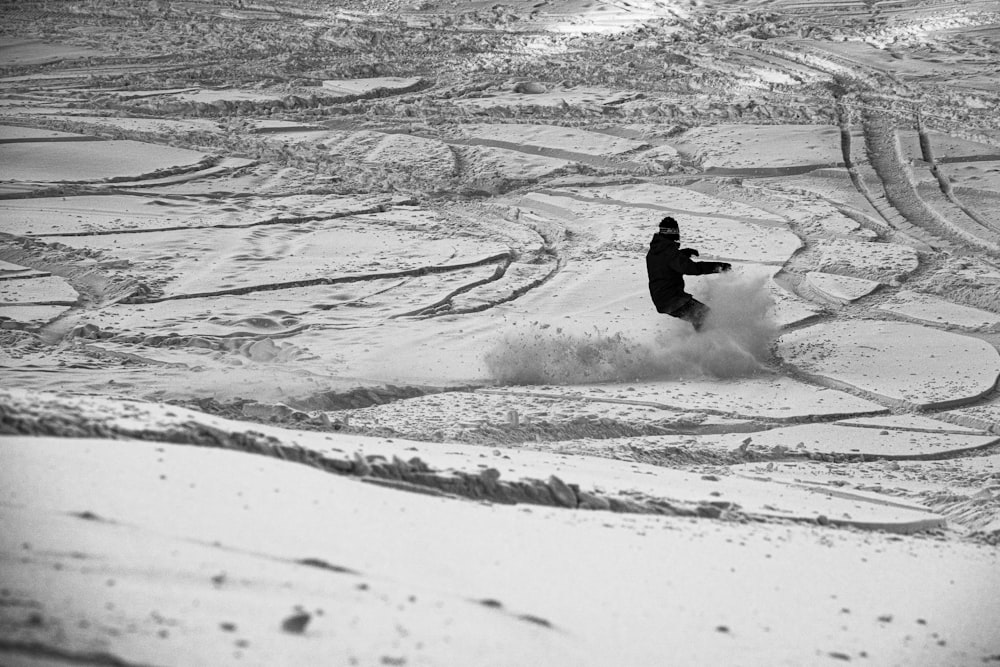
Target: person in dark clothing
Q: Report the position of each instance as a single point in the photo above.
(667, 264)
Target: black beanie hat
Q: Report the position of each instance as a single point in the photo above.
(669, 227)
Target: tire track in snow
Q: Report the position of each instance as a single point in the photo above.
(885, 155)
(944, 183)
(855, 161)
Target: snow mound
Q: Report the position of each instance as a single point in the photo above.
(735, 342)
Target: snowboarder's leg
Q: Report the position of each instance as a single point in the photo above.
(693, 311)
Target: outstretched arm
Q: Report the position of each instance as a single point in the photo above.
(689, 267)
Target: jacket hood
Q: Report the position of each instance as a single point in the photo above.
(660, 241)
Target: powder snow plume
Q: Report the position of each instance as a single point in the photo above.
(734, 343)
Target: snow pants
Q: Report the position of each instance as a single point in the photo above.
(693, 311)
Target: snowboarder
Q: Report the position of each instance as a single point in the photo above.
(667, 264)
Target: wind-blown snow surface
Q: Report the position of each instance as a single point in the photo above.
(401, 250)
(376, 576)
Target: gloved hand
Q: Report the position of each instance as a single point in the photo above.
(722, 267)
(689, 252)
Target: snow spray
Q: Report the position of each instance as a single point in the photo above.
(734, 342)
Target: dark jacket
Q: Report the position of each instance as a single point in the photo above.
(666, 265)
